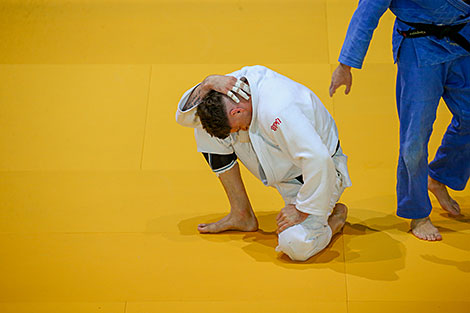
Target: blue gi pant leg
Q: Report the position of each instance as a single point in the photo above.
(451, 166)
(419, 90)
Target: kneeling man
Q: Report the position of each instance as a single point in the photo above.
(283, 134)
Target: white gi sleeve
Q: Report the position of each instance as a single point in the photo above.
(187, 118)
(298, 138)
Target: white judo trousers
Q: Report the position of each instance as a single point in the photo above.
(291, 134)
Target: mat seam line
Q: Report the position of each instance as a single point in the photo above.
(146, 117)
(329, 57)
(345, 274)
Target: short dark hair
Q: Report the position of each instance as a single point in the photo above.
(213, 115)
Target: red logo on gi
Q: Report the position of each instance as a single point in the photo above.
(276, 124)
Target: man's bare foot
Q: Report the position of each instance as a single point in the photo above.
(440, 191)
(337, 219)
(231, 222)
(423, 229)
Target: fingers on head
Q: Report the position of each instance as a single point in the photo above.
(243, 94)
(232, 96)
(240, 84)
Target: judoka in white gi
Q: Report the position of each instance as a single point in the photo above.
(283, 134)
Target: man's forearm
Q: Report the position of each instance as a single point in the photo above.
(197, 95)
(227, 85)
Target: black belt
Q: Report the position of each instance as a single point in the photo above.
(439, 31)
(300, 178)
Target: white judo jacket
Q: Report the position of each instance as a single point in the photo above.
(291, 134)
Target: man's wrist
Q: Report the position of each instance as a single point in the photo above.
(303, 214)
(206, 84)
(345, 67)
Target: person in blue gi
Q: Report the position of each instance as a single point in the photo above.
(432, 51)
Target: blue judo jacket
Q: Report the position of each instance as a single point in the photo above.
(429, 50)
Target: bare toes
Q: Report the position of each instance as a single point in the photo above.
(209, 228)
(425, 230)
(418, 235)
(202, 229)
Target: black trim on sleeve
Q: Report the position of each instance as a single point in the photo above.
(219, 162)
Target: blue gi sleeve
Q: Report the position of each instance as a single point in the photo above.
(363, 23)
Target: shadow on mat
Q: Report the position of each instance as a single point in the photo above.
(361, 242)
(463, 266)
(453, 229)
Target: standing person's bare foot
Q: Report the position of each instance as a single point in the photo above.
(337, 218)
(423, 229)
(445, 200)
(232, 221)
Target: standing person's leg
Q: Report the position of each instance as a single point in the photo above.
(419, 90)
(451, 166)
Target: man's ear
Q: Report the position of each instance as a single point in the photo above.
(236, 111)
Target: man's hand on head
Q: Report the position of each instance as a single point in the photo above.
(289, 216)
(228, 85)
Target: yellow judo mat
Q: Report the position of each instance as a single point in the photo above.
(101, 191)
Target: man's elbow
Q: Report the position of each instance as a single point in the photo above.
(179, 118)
(186, 119)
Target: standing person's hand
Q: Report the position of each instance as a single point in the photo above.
(341, 76)
(228, 85)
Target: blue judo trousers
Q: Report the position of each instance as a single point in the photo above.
(418, 92)
(428, 68)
